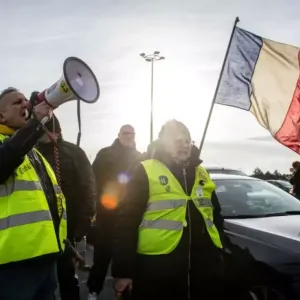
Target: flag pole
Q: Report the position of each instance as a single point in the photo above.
(217, 88)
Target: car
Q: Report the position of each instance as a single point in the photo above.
(283, 184)
(261, 238)
(220, 170)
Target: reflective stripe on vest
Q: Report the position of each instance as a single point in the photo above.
(23, 185)
(27, 218)
(26, 225)
(162, 226)
(172, 204)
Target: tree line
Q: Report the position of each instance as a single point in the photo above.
(258, 173)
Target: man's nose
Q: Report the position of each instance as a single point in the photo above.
(25, 103)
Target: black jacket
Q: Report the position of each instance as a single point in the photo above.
(295, 181)
(205, 257)
(12, 152)
(77, 184)
(109, 163)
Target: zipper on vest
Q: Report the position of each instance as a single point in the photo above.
(190, 233)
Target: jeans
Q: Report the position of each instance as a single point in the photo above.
(29, 280)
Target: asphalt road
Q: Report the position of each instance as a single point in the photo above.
(107, 293)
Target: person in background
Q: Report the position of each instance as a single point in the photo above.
(167, 241)
(111, 166)
(75, 175)
(295, 180)
(32, 207)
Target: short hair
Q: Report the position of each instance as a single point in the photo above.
(172, 123)
(8, 91)
(296, 164)
(126, 125)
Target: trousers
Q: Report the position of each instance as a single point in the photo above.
(29, 280)
(67, 278)
(102, 259)
(208, 289)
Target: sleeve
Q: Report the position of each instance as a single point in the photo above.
(13, 149)
(218, 219)
(295, 180)
(86, 191)
(292, 180)
(100, 170)
(131, 211)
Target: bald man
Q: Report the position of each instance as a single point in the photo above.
(110, 164)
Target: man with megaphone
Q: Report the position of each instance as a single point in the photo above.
(32, 206)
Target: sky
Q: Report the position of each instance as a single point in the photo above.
(37, 36)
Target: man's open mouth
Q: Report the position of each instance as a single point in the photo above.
(24, 114)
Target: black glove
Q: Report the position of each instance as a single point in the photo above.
(34, 99)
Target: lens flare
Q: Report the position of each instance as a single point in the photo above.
(123, 178)
(109, 201)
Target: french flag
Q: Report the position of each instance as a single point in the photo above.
(263, 77)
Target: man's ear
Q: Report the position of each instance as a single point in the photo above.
(2, 118)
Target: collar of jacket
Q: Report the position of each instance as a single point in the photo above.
(6, 130)
(117, 145)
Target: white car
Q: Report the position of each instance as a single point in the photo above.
(220, 170)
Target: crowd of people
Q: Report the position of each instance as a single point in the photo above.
(158, 221)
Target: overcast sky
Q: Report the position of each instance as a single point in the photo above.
(37, 36)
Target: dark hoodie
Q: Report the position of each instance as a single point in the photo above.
(206, 259)
(77, 184)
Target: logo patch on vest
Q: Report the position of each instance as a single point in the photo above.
(199, 191)
(24, 168)
(202, 182)
(163, 180)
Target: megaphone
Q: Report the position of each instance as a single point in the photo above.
(78, 82)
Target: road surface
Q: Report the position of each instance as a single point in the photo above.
(107, 293)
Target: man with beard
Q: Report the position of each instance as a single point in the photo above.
(32, 206)
(111, 167)
(167, 242)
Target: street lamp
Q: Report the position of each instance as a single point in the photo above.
(152, 58)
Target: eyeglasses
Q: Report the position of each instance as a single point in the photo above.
(128, 133)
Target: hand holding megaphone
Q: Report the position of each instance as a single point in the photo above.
(42, 112)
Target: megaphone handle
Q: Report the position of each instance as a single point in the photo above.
(79, 123)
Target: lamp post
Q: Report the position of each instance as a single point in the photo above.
(152, 58)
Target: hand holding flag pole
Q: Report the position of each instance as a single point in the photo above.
(217, 88)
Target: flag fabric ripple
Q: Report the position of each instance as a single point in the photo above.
(263, 77)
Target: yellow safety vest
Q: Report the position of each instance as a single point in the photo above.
(26, 226)
(165, 217)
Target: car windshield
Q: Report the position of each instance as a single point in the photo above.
(224, 171)
(246, 197)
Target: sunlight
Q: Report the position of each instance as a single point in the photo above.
(178, 94)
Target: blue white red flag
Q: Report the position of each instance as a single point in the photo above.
(263, 77)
